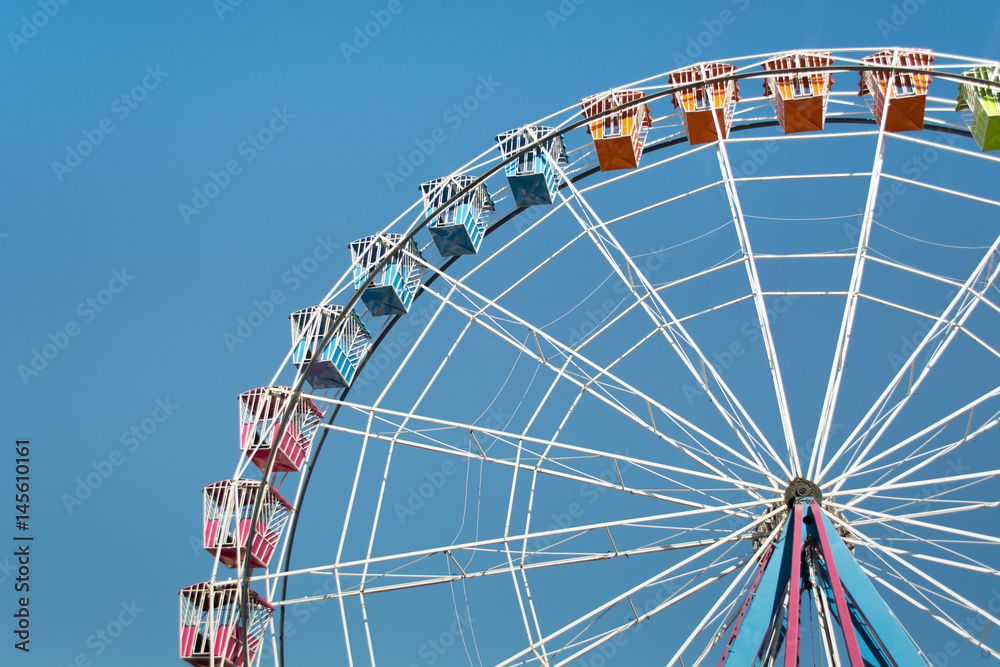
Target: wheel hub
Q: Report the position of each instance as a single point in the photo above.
(802, 488)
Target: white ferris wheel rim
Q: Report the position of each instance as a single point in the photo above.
(777, 470)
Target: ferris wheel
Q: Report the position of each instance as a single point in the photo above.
(703, 369)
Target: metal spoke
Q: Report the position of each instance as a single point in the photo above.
(601, 372)
(816, 458)
(756, 290)
(955, 315)
(701, 494)
(667, 323)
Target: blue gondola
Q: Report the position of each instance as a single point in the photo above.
(392, 290)
(336, 364)
(532, 177)
(459, 229)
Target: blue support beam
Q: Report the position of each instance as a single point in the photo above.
(764, 623)
(765, 603)
(882, 634)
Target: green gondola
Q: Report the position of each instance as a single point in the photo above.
(981, 101)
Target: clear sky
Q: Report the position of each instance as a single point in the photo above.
(173, 170)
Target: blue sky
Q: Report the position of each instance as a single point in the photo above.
(178, 177)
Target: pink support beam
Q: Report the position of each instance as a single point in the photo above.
(794, 588)
(846, 626)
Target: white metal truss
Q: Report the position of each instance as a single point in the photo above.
(714, 473)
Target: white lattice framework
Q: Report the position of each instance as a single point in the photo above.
(588, 351)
